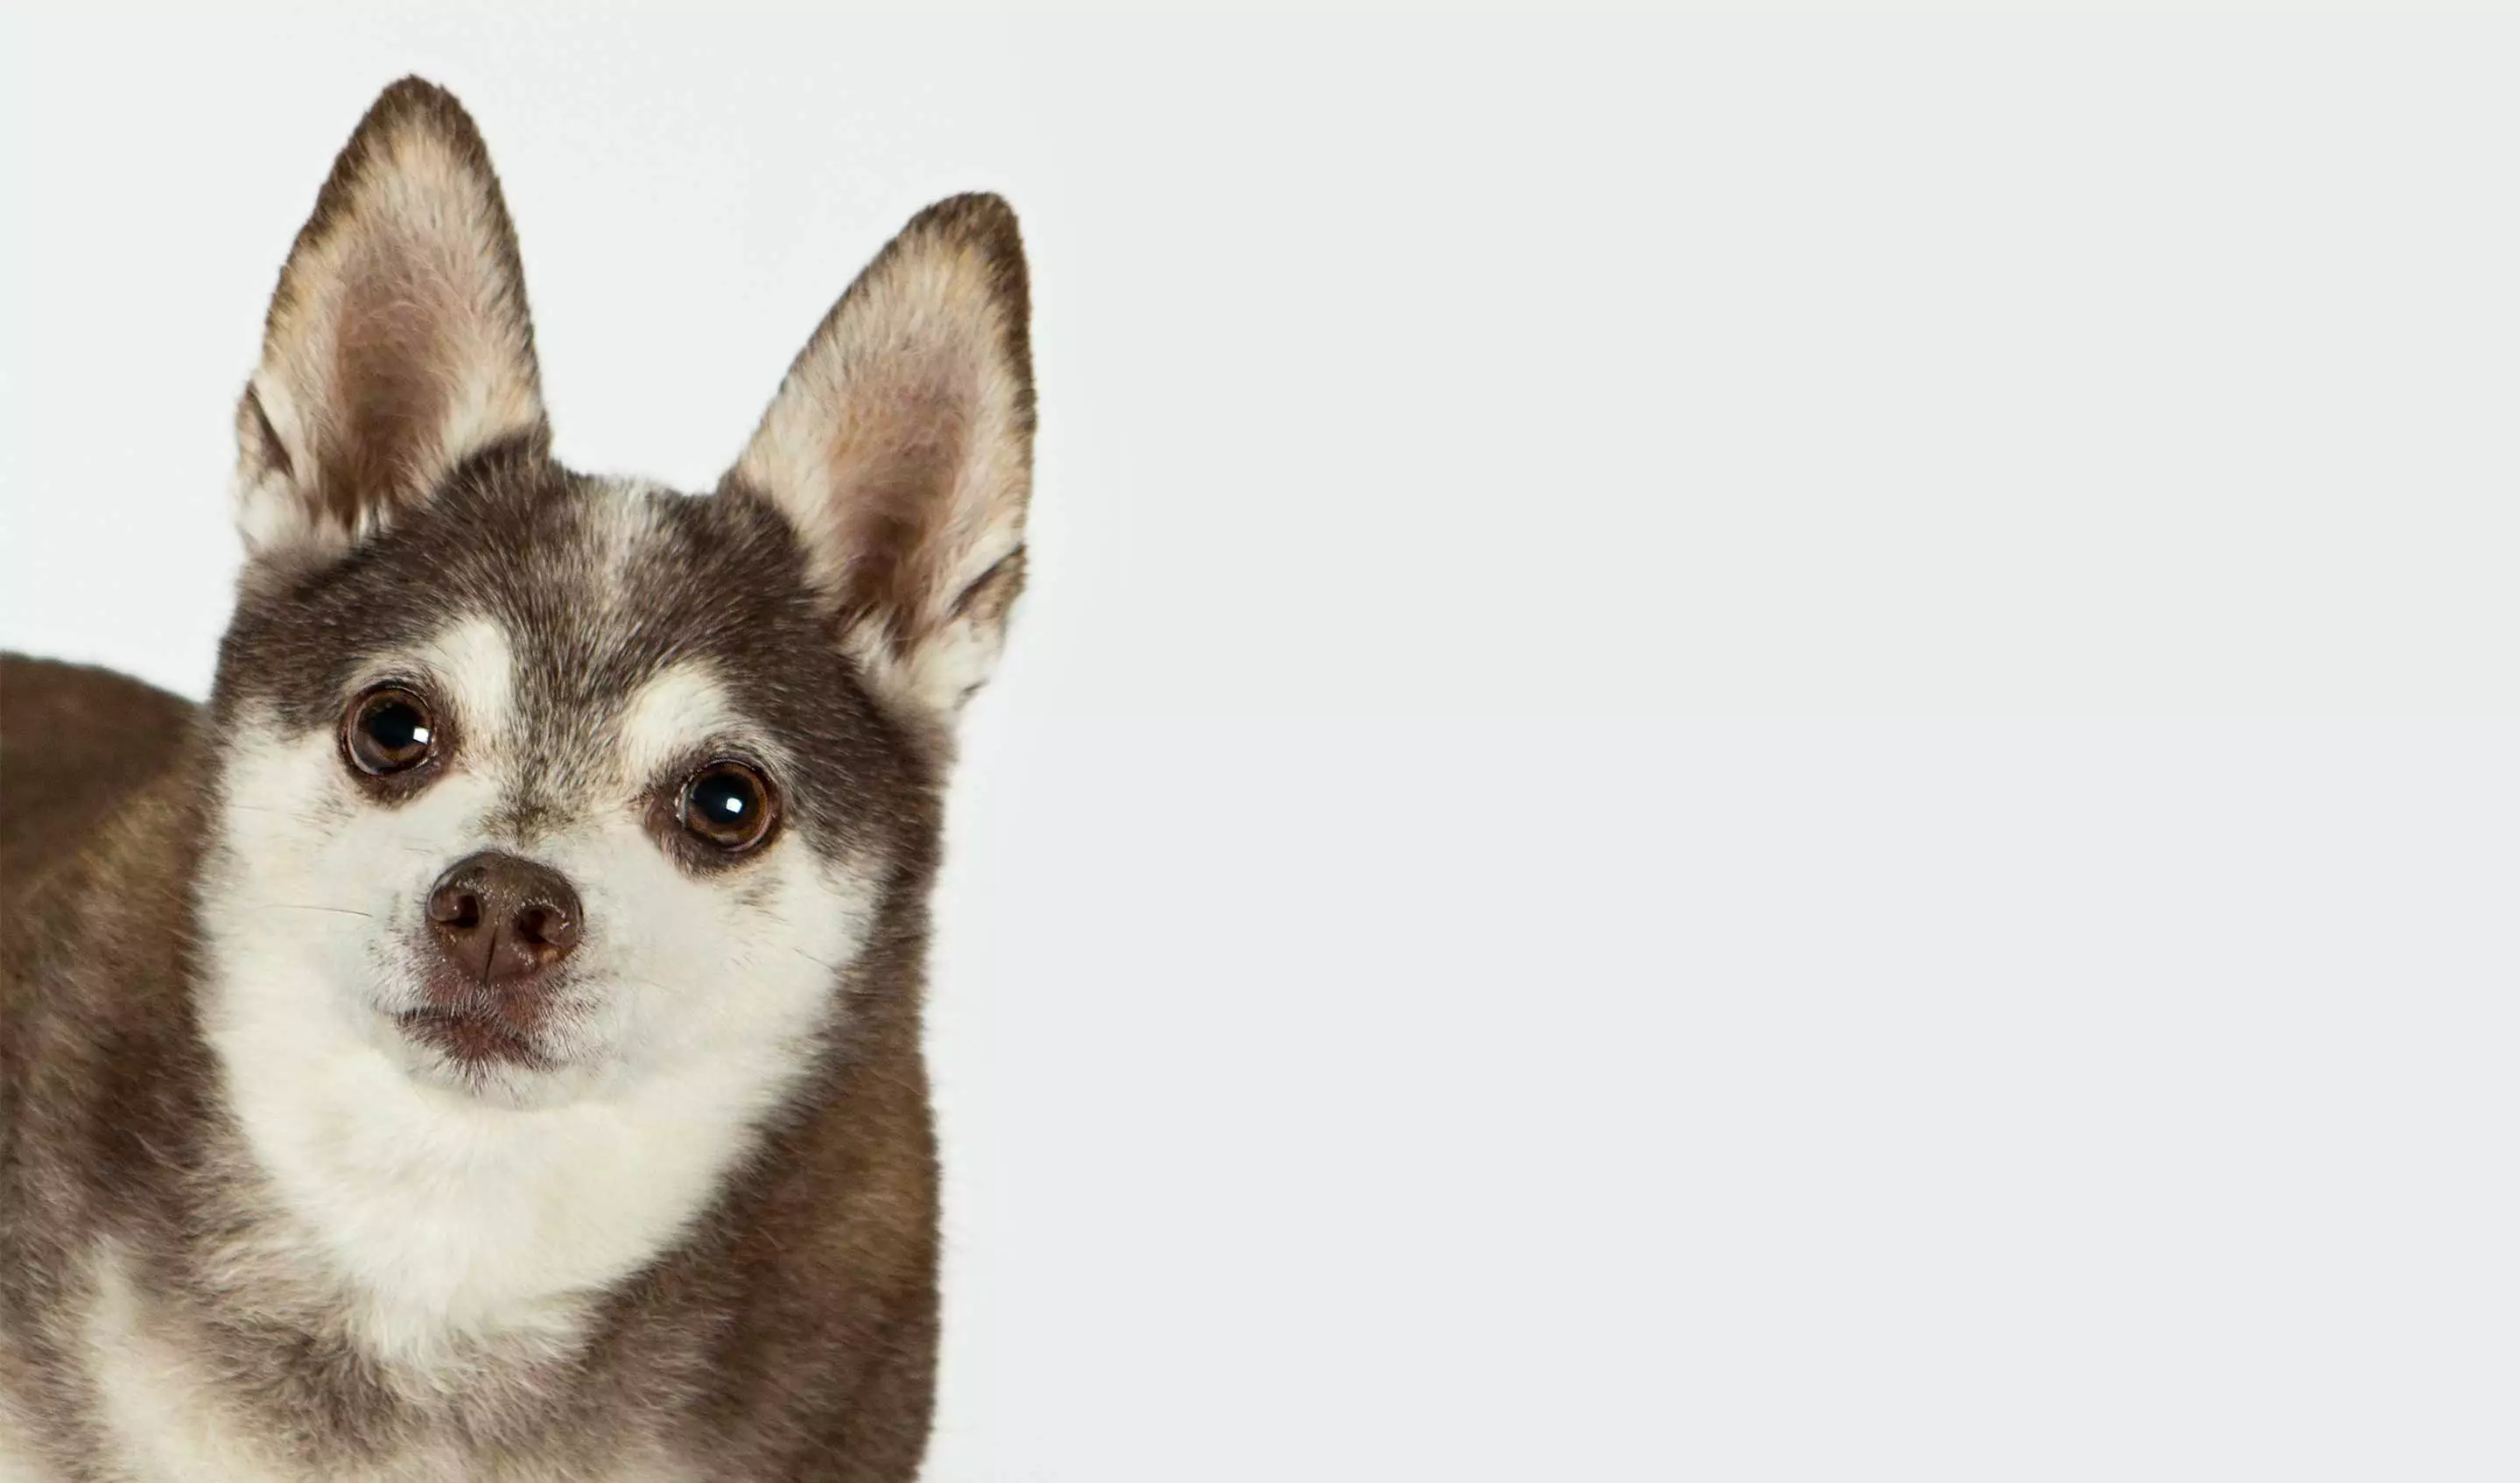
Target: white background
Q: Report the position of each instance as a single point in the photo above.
(1774, 743)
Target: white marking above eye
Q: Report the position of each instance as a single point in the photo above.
(675, 713)
(471, 669)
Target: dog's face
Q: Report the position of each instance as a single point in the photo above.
(555, 784)
(546, 791)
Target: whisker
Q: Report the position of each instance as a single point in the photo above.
(303, 906)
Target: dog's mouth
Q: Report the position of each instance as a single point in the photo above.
(473, 1038)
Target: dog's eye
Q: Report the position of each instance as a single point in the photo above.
(729, 805)
(390, 730)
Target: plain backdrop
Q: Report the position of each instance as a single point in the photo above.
(1752, 743)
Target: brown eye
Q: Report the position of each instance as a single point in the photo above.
(390, 730)
(729, 805)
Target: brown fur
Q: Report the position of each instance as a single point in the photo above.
(74, 741)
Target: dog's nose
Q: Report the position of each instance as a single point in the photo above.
(502, 920)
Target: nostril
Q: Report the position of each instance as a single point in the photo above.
(455, 908)
(545, 927)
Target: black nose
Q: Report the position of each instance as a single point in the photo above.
(501, 919)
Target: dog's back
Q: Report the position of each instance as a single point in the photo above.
(74, 741)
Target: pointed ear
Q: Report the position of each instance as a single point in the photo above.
(398, 342)
(900, 449)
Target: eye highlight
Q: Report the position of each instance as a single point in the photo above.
(390, 730)
(729, 806)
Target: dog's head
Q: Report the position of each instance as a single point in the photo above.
(542, 788)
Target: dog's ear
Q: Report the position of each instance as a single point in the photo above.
(398, 342)
(900, 449)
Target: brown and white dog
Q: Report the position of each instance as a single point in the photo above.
(482, 1040)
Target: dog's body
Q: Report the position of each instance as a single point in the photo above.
(482, 1040)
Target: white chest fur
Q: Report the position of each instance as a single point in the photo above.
(449, 1220)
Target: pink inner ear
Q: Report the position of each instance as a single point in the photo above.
(389, 349)
(892, 460)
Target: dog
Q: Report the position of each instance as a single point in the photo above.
(482, 1040)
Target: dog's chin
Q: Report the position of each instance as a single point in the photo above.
(480, 1056)
(469, 1039)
